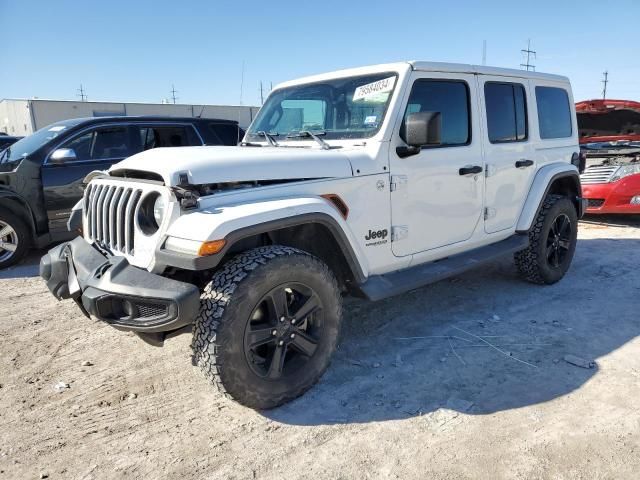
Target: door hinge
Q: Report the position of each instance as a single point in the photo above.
(399, 232)
(489, 213)
(490, 170)
(398, 182)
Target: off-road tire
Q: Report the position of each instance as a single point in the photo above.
(532, 263)
(226, 305)
(23, 238)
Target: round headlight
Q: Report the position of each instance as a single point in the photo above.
(158, 210)
(151, 213)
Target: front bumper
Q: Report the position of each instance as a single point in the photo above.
(614, 197)
(111, 290)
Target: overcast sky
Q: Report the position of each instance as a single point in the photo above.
(135, 50)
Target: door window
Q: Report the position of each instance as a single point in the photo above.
(82, 145)
(101, 144)
(506, 112)
(451, 99)
(167, 136)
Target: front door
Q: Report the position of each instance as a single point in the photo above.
(509, 153)
(437, 194)
(95, 149)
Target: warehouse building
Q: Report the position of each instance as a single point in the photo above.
(23, 117)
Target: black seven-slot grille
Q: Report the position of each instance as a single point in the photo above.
(110, 211)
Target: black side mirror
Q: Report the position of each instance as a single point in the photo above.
(420, 129)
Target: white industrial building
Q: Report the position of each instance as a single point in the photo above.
(22, 117)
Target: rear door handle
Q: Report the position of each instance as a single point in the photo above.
(470, 170)
(524, 163)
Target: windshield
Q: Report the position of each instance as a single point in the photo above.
(341, 108)
(33, 142)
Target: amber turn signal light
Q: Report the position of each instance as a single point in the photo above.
(338, 203)
(211, 248)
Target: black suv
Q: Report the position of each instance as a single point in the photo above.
(6, 140)
(41, 176)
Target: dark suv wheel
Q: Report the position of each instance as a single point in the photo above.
(268, 325)
(552, 242)
(14, 238)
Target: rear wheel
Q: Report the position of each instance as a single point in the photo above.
(14, 238)
(268, 325)
(552, 242)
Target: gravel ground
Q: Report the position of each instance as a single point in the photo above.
(463, 379)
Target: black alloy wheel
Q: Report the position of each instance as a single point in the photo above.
(559, 241)
(283, 331)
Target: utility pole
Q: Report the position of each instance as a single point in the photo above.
(241, 82)
(605, 81)
(173, 93)
(484, 52)
(82, 94)
(529, 53)
(261, 94)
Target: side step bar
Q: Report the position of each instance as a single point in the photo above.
(378, 287)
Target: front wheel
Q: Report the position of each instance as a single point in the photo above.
(552, 242)
(14, 238)
(268, 325)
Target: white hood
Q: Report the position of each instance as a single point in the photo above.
(234, 164)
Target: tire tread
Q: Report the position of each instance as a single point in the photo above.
(208, 345)
(527, 260)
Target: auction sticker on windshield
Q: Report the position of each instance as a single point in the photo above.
(376, 91)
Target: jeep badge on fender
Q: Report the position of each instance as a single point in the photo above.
(255, 264)
(378, 234)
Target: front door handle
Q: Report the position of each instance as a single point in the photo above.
(524, 163)
(470, 170)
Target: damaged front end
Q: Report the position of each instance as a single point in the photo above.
(610, 143)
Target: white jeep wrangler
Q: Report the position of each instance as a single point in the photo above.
(370, 181)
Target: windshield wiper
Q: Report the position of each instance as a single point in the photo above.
(309, 134)
(269, 137)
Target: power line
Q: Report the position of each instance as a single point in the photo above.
(173, 94)
(605, 81)
(529, 53)
(81, 93)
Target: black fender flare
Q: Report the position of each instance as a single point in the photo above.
(577, 199)
(7, 196)
(189, 262)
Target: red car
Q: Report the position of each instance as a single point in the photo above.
(610, 141)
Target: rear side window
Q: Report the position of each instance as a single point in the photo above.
(167, 136)
(227, 134)
(451, 99)
(506, 112)
(554, 112)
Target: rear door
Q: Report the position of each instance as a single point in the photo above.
(96, 148)
(437, 193)
(510, 156)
